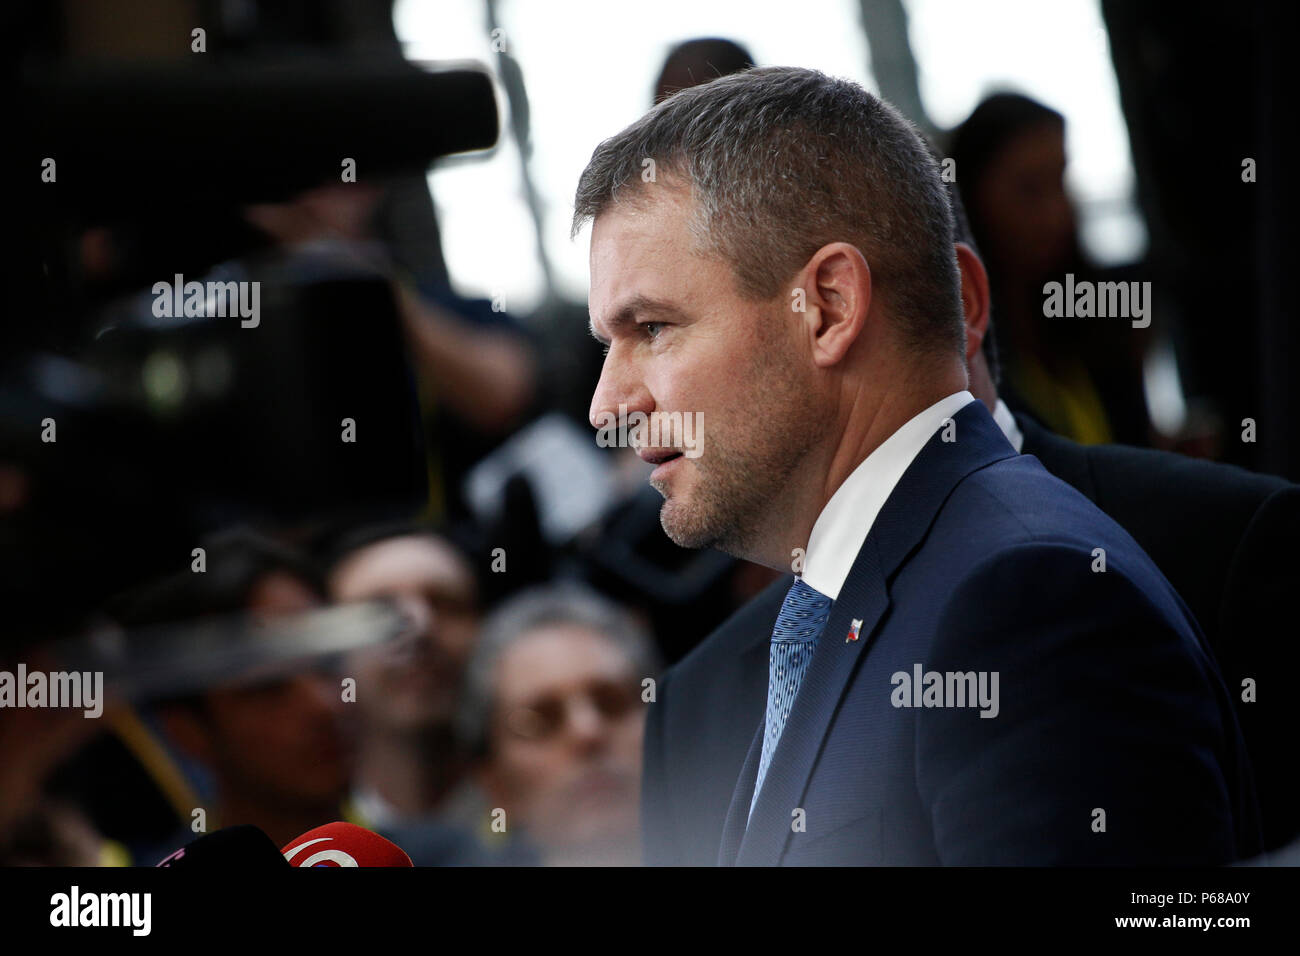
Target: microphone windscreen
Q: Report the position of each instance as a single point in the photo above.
(242, 847)
(343, 844)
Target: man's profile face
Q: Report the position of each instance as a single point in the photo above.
(681, 339)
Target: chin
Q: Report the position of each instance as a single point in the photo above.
(683, 528)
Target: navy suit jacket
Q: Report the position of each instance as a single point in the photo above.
(1114, 742)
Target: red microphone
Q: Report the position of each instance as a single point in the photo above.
(343, 844)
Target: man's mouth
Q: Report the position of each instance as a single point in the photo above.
(663, 458)
(657, 456)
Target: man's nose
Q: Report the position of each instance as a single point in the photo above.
(619, 385)
(587, 726)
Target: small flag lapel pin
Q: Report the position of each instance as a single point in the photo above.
(855, 630)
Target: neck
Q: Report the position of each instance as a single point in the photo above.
(413, 772)
(864, 419)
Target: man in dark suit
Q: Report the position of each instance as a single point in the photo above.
(973, 664)
(1227, 539)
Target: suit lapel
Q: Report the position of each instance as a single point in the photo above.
(744, 706)
(733, 830)
(864, 597)
(898, 530)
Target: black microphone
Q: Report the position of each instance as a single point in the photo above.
(243, 847)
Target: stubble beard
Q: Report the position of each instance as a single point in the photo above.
(744, 473)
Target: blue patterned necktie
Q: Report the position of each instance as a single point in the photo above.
(802, 618)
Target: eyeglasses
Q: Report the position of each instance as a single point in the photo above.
(545, 717)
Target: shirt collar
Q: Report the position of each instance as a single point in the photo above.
(1007, 422)
(844, 522)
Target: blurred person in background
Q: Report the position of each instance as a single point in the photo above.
(38, 825)
(58, 834)
(554, 712)
(476, 365)
(461, 349)
(411, 782)
(1082, 377)
(274, 745)
(692, 62)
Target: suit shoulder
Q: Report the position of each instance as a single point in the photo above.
(1018, 501)
(1018, 511)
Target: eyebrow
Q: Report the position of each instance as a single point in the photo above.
(627, 313)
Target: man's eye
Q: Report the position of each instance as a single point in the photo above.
(652, 329)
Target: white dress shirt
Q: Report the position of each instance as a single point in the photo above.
(842, 526)
(1007, 422)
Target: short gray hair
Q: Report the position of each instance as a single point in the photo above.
(782, 161)
(561, 603)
